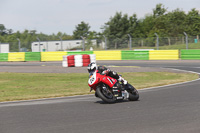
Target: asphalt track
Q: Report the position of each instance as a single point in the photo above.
(169, 109)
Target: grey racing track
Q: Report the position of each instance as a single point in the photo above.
(170, 109)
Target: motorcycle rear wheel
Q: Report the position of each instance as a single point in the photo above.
(108, 98)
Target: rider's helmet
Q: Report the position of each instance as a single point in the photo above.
(92, 67)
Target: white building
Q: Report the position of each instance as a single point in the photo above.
(64, 45)
(4, 48)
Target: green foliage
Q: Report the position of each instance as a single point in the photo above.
(159, 10)
(82, 29)
(164, 23)
(4, 31)
(117, 29)
(193, 22)
(27, 37)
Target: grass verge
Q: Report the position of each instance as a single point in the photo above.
(24, 86)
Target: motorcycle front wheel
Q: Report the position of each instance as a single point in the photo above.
(105, 95)
(133, 93)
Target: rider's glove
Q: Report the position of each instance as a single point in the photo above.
(106, 71)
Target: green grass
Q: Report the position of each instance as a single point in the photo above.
(151, 79)
(23, 86)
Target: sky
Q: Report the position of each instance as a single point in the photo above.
(53, 16)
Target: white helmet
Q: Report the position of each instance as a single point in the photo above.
(92, 67)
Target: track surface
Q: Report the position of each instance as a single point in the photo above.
(172, 109)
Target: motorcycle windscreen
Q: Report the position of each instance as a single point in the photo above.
(91, 73)
(93, 80)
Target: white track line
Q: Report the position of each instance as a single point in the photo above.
(175, 83)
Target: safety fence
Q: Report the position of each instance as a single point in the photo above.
(3, 56)
(135, 55)
(105, 43)
(52, 56)
(105, 55)
(190, 54)
(163, 55)
(32, 56)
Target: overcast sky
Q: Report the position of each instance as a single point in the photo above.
(52, 16)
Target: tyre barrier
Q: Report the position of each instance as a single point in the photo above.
(92, 58)
(78, 60)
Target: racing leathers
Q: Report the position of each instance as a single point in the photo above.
(103, 70)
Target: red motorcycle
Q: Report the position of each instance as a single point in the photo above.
(109, 89)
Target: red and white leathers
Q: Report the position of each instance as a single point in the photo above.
(103, 70)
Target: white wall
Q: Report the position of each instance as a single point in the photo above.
(4, 48)
(56, 45)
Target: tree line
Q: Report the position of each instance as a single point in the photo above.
(161, 21)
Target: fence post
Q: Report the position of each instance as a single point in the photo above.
(105, 42)
(19, 43)
(157, 42)
(60, 37)
(186, 40)
(39, 44)
(130, 42)
(83, 42)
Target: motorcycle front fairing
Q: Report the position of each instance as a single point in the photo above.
(93, 80)
(96, 78)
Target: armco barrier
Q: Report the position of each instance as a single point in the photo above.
(193, 54)
(104, 55)
(135, 55)
(20, 56)
(52, 56)
(3, 56)
(107, 55)
(92, 58)
(32, 56)
(163, 55)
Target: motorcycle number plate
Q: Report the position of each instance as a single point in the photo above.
(92, 79)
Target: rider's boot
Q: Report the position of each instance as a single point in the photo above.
(123, 80)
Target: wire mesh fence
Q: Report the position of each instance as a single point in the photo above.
(151, 43)
(108, 44)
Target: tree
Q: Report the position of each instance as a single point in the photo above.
(159, 10)
(67, 37)
(116, 29)
(160, 21)
(93, 35)
(176, 22)
(193, 22)
(147, 25)
(82, 29)
(2, 30)
(134, 27)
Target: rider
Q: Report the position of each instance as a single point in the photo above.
(103, 70)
